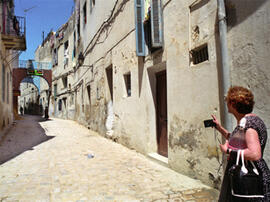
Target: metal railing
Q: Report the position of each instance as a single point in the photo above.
(13, 25)
(34, 65)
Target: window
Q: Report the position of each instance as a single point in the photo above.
(60, 105)
(7, 87)
(89, 93)
(199, 55)
(65, 81)
(84, 14)
(109, 74)
(71, 99)
(55, 90)
(149, 25)
(66, 53)
(65, 102)
(92, 4)
(3, 82)
(127, 79)
(55, 57)
(74, 46)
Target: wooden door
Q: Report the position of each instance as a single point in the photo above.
(161, 110)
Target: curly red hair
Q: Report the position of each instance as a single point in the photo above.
(241, 99)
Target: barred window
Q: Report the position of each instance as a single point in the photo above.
(199, 55)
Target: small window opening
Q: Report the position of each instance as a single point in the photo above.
(60, 105)
(65, 102)
(84, 13)
(55, 90)
(109, 73)
(89, 93)
(199, 55)
(127, 78)
(65, 81)
(66, 54)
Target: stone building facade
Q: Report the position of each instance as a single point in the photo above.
(12, 40)
(29, 98)
(6, 107)
(43, 59)
(147, 73)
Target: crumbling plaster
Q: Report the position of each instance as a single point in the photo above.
(248, 42)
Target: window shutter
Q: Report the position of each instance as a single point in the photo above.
(156, 23)
(139, 16)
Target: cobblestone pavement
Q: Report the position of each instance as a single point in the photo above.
(60, 160)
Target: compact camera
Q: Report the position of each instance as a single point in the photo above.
(209, 123)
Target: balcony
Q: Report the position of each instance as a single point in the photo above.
(13, 32)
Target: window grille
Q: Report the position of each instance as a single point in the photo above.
(199, 55)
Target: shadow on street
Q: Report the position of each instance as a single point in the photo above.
(24, 135)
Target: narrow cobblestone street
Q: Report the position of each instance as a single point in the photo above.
(60, 160)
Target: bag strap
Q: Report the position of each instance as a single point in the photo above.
(237, 158)
(255, 170)
(243, 168)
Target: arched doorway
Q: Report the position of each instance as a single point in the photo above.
(22, 72)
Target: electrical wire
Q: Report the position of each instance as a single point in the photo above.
(220, 162)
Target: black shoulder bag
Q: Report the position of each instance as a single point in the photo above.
(245, 180)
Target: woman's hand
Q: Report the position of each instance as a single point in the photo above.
(216, 121)
(222, 130)
(224, 147)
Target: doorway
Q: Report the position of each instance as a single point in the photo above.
(109, 73)
(161, 113)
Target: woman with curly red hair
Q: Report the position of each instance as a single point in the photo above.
(240, 102)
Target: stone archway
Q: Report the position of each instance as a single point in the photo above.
(18, 75)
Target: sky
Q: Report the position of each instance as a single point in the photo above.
(41, 15)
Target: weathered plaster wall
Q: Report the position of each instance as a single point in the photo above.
(193, 90)
(249, 47)
(6, 110)
(192, 149)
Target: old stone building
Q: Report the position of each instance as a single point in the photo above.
(28, 101)
(43, 59)
(147, 73)
(12, 41)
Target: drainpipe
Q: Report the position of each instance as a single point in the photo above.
(225, 61)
